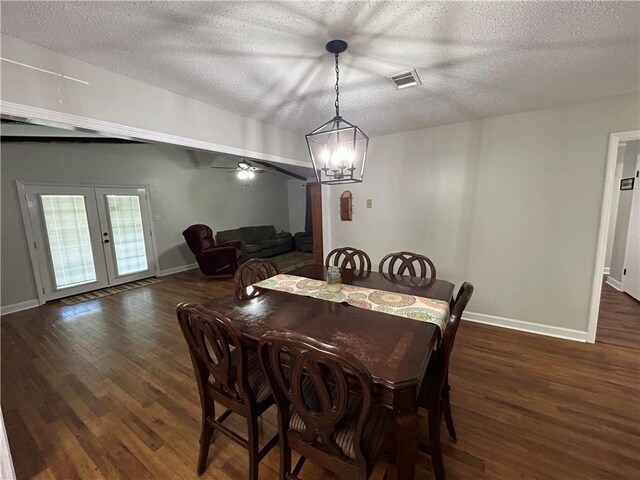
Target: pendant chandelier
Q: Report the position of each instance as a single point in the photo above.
(338, 149)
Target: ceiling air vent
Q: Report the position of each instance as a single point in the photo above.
(405, 79)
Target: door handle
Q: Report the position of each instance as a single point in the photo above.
(106, 241)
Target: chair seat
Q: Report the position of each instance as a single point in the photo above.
(375, 430)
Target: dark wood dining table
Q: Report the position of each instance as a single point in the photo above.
(395, 349)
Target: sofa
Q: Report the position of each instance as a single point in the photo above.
(259, 241)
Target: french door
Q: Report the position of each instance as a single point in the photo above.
(87, 238)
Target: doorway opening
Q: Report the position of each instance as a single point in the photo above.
(617, 306)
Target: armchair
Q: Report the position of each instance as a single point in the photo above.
(304, 241)
(212, 259)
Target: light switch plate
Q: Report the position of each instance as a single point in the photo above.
(369, 203)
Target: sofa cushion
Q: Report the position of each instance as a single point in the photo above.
(282, 235)
(274, 242)
(266, 231)
(250, 234)
(225, 236)
(252, 248)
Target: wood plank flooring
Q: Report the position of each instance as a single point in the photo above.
(105, 389)
(618, 318)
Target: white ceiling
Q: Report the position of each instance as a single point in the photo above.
(266, 60)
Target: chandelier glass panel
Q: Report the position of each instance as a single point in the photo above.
(338, 149)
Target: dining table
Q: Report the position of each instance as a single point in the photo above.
(395, 349)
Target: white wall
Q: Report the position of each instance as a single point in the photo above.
(181, 193)
(510, 203)
(627, 163)
(613, 215)
(118, 99)
(297, 192)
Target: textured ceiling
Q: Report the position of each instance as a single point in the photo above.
(266, 60)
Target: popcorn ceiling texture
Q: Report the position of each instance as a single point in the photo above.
(266, 60)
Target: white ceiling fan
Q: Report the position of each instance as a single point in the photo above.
(244, 171)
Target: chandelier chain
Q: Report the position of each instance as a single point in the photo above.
(337, 102)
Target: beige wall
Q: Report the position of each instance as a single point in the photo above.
(297, 204)
(613, 215)
(627, 163)
(509, 203)
(181, 193)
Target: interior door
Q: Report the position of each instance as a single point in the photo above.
(631, 273)
(67, 239)
(126, 233)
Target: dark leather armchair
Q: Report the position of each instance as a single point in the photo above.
(212, 259)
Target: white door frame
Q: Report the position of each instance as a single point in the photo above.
(31, 240)
(612, 156)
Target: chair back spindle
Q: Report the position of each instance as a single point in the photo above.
(349, 257)
(314, 397)
(252, 272)
(405, 263)
(217, 352)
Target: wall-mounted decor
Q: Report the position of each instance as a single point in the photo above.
(346, 212)
(627, 183)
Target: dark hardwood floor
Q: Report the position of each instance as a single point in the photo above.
(105, 389)
(618, 319)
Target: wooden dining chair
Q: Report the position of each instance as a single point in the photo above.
(325, 406)
(349, 257)
(229, 375)
(434, 391)
(251, 272)
(405, 263)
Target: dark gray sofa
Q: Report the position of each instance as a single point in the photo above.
(259, 241)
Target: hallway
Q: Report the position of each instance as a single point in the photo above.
(619, 318)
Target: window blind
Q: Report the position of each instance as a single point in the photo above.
(128, 235)
(69, 241)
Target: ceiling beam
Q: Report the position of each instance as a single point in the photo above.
(25, 139)
(279, 170)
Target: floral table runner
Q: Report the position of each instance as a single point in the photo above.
(400, 304)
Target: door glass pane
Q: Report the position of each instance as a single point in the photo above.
(128, 236)
(67, 227)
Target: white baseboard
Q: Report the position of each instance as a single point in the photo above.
(614, 283)
(182, 268)
(548, 330)
(606, 270)
(18, 307)
(26, 305)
